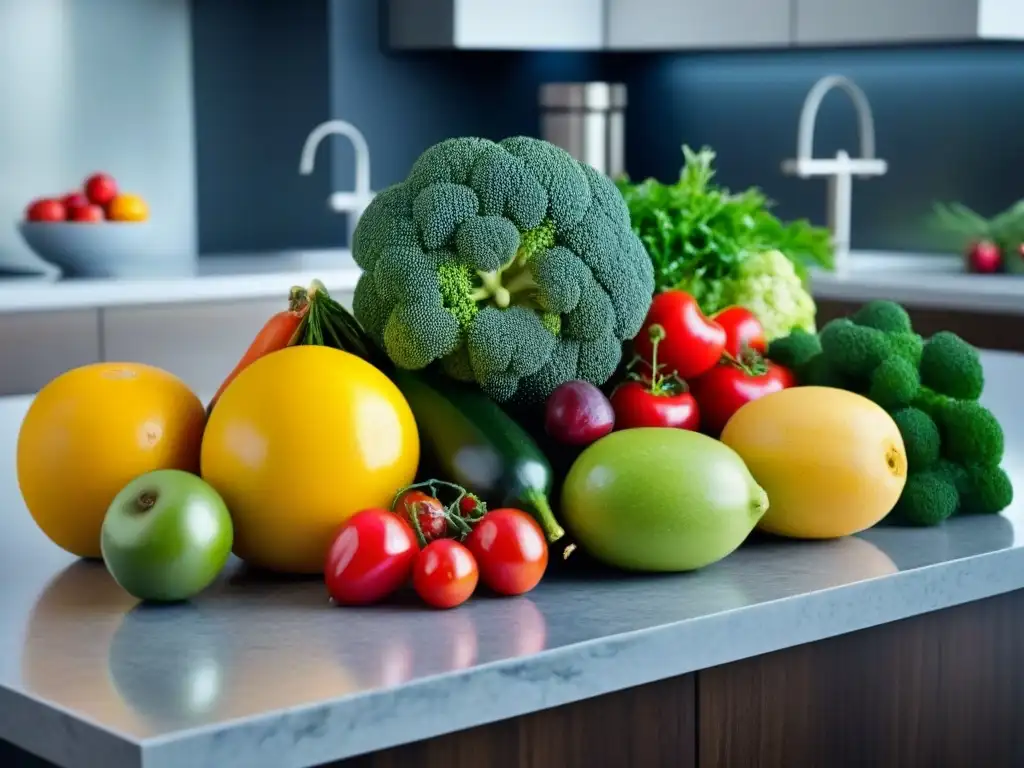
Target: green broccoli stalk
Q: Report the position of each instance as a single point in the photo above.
(930, 388)
(510, 265)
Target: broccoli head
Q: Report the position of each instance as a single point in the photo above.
(920, 437)
(970, 432)
(985, 490)
(853, 350)
(508, 264)
(794, 350)
(928, 498)
(885, 316)
(952, 367)
(894, 383)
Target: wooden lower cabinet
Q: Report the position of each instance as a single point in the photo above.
(942, 690)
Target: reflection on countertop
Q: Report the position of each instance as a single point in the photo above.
(210, 278)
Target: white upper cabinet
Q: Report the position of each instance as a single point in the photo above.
(496, 24)
(881, 22)
(679, 25)
(636, 25)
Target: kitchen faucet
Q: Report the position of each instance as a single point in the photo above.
(841, 169)
(352, 202)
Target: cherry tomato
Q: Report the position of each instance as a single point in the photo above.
(431, 513)
(371, 556)
(511, 551)
(445, 574)
(727, 387)
(471, 506)
(743, 331)
(635, 405)
(692, 343)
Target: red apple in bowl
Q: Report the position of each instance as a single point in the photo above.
(86, 213)
(46, 209)
(100, 188)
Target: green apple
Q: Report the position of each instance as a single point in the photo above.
(166, 536)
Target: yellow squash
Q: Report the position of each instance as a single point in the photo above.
(303, 439)
(832, 462)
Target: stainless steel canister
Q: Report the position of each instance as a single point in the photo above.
(588, 120)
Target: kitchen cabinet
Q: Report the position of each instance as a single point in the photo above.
(879, 22)
(496, 24)
(692, 24)
(37, 346)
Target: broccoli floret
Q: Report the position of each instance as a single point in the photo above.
(970, 433)
(906, 345)
(920, 437)
(928, 498)
(887, 316)
(952, 367)
(510, 264)
(985, 490)
(795, 350)
(894, 383)
(853, 350)
(819, 373)
(931, 389)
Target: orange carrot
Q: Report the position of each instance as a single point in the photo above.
(280, 331)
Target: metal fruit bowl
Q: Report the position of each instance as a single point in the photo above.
(94, 249)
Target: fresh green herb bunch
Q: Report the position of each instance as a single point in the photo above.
(930, 388)
(699, 233)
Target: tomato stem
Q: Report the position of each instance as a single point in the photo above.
(658, 384)
(749, 361)
(457, 522)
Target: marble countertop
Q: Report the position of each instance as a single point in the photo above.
(923, 280)
(920, 280)
(260, 673)
(211, 278)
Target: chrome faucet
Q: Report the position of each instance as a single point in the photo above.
(841, 169)
(353, 202)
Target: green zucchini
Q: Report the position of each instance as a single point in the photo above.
(474, 443)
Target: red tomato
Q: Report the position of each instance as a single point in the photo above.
(511, 551)
(693, 344)
(431, 513)
(470, 506)
(371, 556)
(445, 574)
(635, 405)
(743, 331)
(727, 387)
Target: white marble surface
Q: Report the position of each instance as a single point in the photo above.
(261, 673)
(921, 280)
(212, 278)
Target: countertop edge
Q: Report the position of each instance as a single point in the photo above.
(64, 738)
(335, 730)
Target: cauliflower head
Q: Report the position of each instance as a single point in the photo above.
(509, 264)
(768, 285)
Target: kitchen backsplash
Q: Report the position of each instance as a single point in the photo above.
(948, 120)
(89, 85)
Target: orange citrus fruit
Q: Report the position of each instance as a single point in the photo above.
(303, 439)
(127, 207)
(89, 432)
